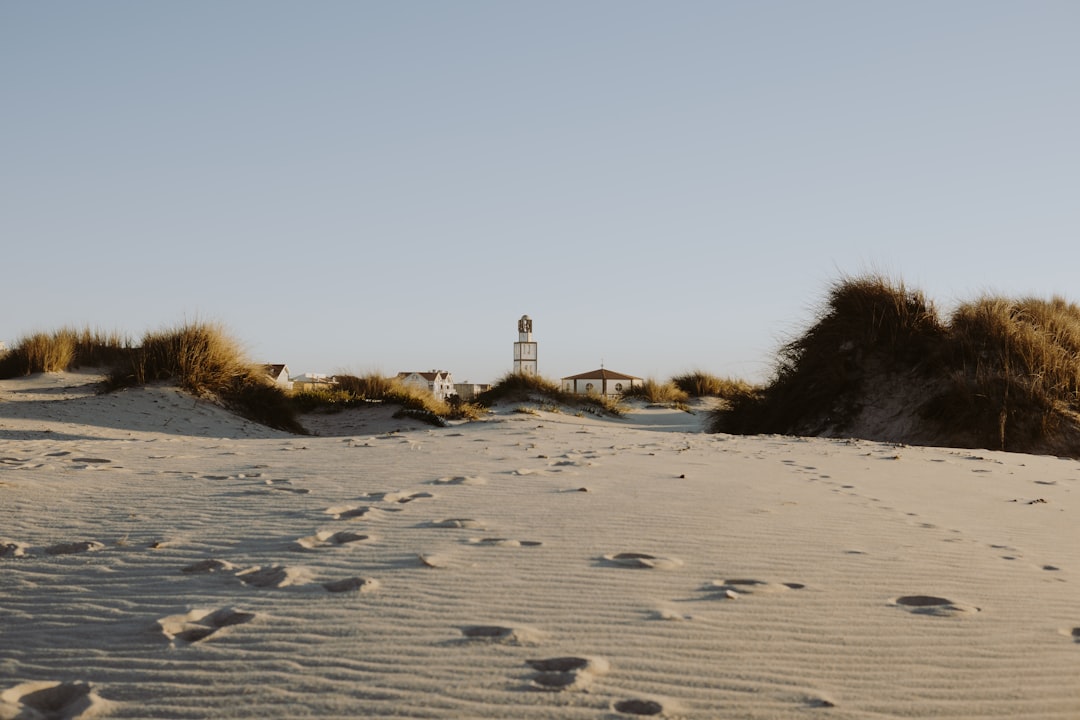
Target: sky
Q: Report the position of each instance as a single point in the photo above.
(662, 187)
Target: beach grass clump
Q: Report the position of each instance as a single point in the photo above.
(520, 387)
(204, 359)
(1016, 370)
(62, 350)
(656, 392)
(700, 384)
(997, 373)
(866, 325)
(355, 391)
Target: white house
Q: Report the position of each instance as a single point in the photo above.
(600, 382)
(313, 381)
(468, 391)
(280, 375)
(439, 383)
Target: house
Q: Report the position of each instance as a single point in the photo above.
(600, 382)
(439, 383)
(280, 375)
(468, 391)
(313, 382)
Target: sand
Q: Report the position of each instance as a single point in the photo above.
(160, 557)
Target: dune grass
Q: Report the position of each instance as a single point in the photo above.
(518, 387)
(64, 349)
(202, 358)
(700, 384)
(657, 392)
(998, 373)
(357, 391)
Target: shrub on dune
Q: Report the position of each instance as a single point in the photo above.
(62, 350)
(999, 373)
(699, 384)
(654, 391)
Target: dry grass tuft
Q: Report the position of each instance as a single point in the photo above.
(699, 384)
(517, 387)
(62, 350)
(659, 393)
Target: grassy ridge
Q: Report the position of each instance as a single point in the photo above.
(996, 373)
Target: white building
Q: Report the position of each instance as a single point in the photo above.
(468, 391)
(280, 375)
(525, 348)
(600, 382)
(313, 381)
(439, 383)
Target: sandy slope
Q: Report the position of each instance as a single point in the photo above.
(161, 558)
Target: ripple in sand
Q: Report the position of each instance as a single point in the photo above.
(50, 700)
(932, 605)
(642, 560)
(198, 625)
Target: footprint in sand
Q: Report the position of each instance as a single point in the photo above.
(457, 523)
(50, 700)
(732, 589)
(638, 707)
(356, 512)
(12, 549)
(519, 635)
(73, 548)
(931, 605)
(504, 542)
(460, 480)
(328, 538)
(210, 565)
(642, 560)
(273, 576)
(400, 497)
(561, 674)
(198, 625)
(353, 584)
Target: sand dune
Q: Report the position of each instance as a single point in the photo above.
(161, 558)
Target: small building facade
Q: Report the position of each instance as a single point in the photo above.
(313, 382)
(439, 383)
(468, 391)
(600, 382)
(280, 375)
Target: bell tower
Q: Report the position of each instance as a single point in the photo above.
(525, 348)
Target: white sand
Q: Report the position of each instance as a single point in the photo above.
(161, 558)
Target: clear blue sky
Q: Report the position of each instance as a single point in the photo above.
(664, 186)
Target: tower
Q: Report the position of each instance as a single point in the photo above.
(525, 348)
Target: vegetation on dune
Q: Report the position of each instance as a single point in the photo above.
(204, 359)
(518, 387)
(997, 373)
(656, 392)
(64, 349)
(700, 384)
(358, 391)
